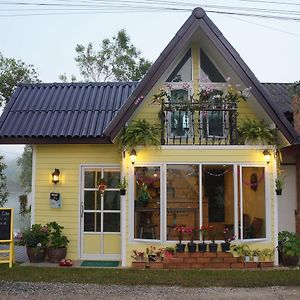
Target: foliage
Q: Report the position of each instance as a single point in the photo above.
(36, 236)
(170, 249)
(289, 243)
(118, 59)
(56, 239)
(204, 232)
(180, 231)
(280, 180)
(122, 184)
(191, 232)
(255, 131)
(228, 235)
(25, 162)
(212, 233)
(267, 252)
(13, 72)
(140, 133)
(137, 254)
(23, 202)
(143, 194)
(240, 249)
(256, 252)
(295, 88)
(3, 183)
(124, 276)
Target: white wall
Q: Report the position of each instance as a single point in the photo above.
(287, 201)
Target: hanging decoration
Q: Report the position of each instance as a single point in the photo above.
(253, 182)
(215, 174)
(102, 185)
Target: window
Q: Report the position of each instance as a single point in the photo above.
(241, 208)
(147, 203)
(183, 71)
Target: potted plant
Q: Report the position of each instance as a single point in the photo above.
(102, 185)
(179, 246)
(141, 133)
(237, 250)
(138, 255)
(255, 254)
(204, 232)
(212, 235)
(169, 252)
(191, 245)
(151, 252)
(143, 196)
(122, 185)
(228, 237)
(289, 248)
(57, 245)
(279, 182)
(267, 254)
(255, 132)
(247, 253)
(35, 239)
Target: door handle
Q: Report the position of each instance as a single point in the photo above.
(81, 210)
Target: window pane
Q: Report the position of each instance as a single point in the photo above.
(89, 200)
(218, 198)
(112, 178)
(182, 198)
(89, 179)
(147, 203)
(89, 222)
(183, 71)
(112, 200)
(111, 222)
(209, 70)
(253, 201)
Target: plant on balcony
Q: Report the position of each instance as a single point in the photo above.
(255, 132)
(140, 133)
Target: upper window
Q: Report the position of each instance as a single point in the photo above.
(209, 70)
(183, 71)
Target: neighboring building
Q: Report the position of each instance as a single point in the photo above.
(200, 175)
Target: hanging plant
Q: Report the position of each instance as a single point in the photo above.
(141, 133)
(102, 185)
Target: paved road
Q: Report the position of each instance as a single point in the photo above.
(62, 291)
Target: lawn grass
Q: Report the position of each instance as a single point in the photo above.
(185, 278)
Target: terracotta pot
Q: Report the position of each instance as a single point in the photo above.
(55, 255)
(36, 254)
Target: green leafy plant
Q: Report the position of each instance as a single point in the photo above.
(267, 252)
(122, 184)
(141, 133)
(36, 236)
(288, 243)
(170, 249)
(280, 180)
(254, 131)
(256, 252)
(237, 249)
(56, 239)
(143, 194)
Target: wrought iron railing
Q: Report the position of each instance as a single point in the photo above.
(207, 123)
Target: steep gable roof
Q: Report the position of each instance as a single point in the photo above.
(62, 112)
(199, 20)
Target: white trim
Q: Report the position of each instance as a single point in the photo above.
(80, 210)
(236, 200)
(33, 184)
(275, 214)
(123, 213)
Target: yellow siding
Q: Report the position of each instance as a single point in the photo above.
(112, 244)
(91, 243)
(67, 158)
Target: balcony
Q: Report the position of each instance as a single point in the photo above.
(206, 123)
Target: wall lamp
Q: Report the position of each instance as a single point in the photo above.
(133, 156)
(267, 155)
(55, 176)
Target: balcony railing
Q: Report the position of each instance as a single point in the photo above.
(206, 123)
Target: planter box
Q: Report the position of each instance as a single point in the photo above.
(138, 265)
(156, 265)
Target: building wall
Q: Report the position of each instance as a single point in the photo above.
(66, 158)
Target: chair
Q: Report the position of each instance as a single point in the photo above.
(146, 227)
(256, 227)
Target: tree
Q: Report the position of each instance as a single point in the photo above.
(25, 162)
(12, 72)
(118, 59)
(3, 185)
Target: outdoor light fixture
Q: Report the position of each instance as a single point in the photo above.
(267, 155)
(55, 176)
(132, 156)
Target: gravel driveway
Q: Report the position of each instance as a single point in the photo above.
(46, 291)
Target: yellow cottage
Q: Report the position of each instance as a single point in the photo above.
(203, 174)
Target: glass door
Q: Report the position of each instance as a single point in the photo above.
(100, 214)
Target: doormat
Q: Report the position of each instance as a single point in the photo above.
(102, 263)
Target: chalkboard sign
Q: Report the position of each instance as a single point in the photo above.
(6, 216)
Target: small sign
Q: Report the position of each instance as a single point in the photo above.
(55, 200)
(6, 236)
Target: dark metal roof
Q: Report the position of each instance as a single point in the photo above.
(62, 112)
(199, 20)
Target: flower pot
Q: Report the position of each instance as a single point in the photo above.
(213, 247)
(202, 247)
(139, 258)
(247, 258)
(225, 247)
(55, 255)
(180, 247)
(255, 258)
(36, 254)
(290, 260)
(278, 192)
(122, 192)
(169, 254)
(192, 247)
